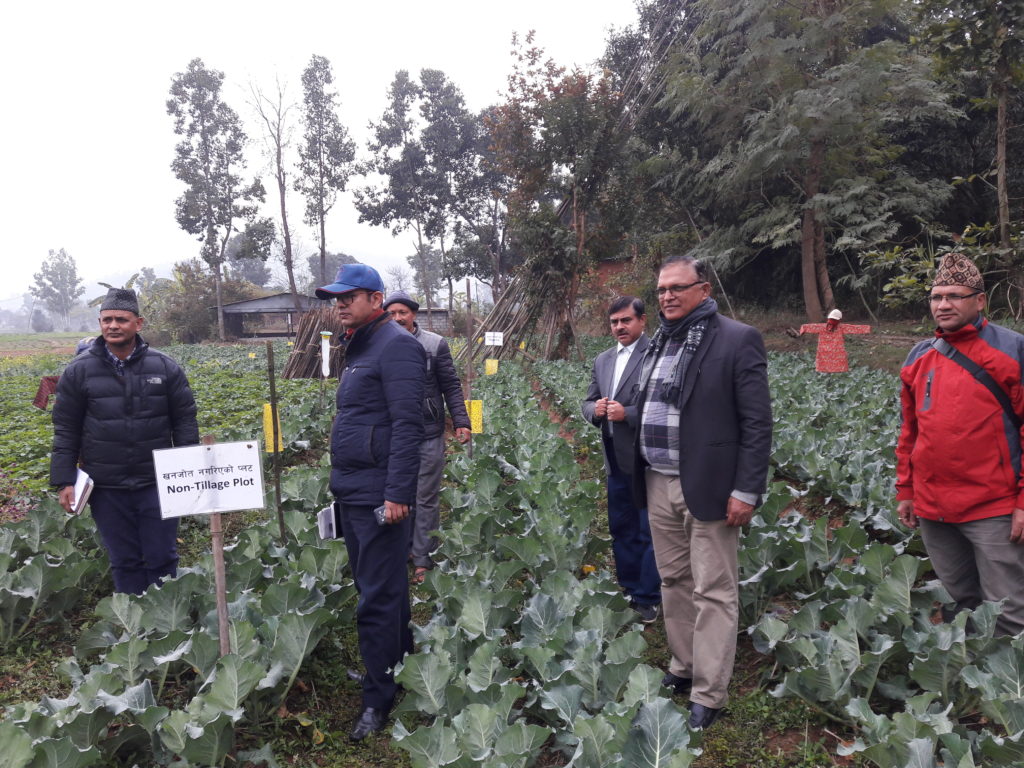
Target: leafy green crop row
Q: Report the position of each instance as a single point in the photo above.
(282, 599)
(521, 651)
(844, 608)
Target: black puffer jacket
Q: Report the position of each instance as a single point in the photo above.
(113, 423)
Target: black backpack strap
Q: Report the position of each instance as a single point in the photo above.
(982, 376)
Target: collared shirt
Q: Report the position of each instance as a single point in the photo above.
(621, 361)
(119, 364)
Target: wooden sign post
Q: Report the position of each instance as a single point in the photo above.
(209, 479)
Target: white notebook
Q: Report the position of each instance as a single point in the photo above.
(83, 487)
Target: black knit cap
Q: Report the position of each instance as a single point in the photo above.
(121, 298)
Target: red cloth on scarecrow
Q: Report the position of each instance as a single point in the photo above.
(831, 357)
(47, 386)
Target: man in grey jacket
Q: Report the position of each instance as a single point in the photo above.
(442, 388)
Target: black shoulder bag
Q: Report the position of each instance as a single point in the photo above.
(982, 376)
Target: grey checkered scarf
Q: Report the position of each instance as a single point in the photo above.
(690, 330)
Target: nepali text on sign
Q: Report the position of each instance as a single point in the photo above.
(201, 479)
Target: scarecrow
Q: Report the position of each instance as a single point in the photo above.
(831, 357)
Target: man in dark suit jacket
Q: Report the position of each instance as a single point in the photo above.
(703, 447)
(611, 406)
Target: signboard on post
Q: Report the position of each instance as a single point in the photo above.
(200, 479)
(494, 338)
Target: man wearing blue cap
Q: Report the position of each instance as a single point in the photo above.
(375, 458)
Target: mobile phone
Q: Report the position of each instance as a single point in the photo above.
(379, 514)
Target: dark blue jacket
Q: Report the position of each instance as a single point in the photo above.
(113, 423)
(375, 441)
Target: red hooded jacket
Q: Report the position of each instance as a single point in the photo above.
(958, 457)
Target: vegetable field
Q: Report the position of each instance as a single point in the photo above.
(526, 652)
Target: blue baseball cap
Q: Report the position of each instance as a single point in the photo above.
(352, 277)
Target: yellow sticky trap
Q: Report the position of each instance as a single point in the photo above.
(252, 355)
(490, 366)
(522, 345)
(479, 339)
(475, 409)
(268, 430)
(291, 343)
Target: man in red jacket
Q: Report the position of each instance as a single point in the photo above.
(958, 458)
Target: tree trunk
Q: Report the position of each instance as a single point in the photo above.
(322, 215)
(424, 276)
(1002, 195)
(282, 186)
(220, 303)
(825, 294)
(808, 265)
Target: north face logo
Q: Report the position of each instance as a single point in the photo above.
(154, 380)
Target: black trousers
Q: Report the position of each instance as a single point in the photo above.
(378, 555)
(142, 546)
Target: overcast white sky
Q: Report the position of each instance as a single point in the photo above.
(88, 142)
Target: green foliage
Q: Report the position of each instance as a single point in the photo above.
(517, 637)
(278, 616)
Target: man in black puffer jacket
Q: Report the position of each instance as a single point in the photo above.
(116, 403)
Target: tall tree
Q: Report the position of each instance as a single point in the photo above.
(401, 201)
(58, 286)
(449, 137)
(273, 113)
(326, 153)
(985, 36)
(783, 141)
(209, 160)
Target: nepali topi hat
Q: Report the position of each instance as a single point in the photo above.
(123, 299)
(957, 269)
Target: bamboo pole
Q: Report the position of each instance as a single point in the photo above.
(276, 436)
(219, 577)
(469, 363)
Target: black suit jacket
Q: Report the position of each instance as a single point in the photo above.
(623, 436)
(725, 419)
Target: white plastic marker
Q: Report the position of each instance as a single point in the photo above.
(325, 353)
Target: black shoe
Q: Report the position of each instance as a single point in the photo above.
(648, 613)
(371, 720)
(680, 686)
(701, 717)
(355, 675)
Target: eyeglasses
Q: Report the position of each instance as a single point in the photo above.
(347, 298)
(952, 298)
(677, 290)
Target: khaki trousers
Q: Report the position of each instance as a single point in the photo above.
(697, 561)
